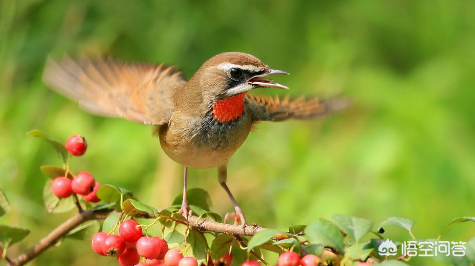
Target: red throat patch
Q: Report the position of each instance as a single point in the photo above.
(229, 109)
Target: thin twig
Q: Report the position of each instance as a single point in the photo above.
(55, 235)
(76, 201)
(252, 251)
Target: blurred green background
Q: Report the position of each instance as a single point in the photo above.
(407, 148)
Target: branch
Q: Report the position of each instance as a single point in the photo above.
(55, 235)
(193, 221)
(206, 225)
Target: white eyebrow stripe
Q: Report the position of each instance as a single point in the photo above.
(227, 66)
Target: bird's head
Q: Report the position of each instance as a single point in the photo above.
(222, 82)
(229, 74)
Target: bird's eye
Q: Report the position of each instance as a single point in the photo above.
(235, 73)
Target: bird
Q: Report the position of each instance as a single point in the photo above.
(200, 122)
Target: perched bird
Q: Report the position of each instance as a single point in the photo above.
(200, 122)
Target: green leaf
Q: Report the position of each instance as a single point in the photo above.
(4, 205)
(470, 250)
(392, 263)
(262, 237)
(175, 232)
(456, 221)
(198, 211)
(109, 193)
(289, 243)
(325, 233)
(399, 222)
(103, 207)
(196, 246)
(315, 249)
(212, 216)
(296, 229)
(354, 227)
(374, 244)
(110, 222)
(240, 255)
(54, 204)
(58, 146)
(221, 246)
(85, 230)
(197, 197)
(359, 252)
(54, 171)
(133, 207)
(11, 235)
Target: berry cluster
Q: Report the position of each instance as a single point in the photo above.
(291, 258)
(130, 245)
(84, 183)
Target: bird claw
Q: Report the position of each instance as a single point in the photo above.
(185, 210)
(238, 217)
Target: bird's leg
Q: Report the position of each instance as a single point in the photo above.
(222, 178)
(185, 207)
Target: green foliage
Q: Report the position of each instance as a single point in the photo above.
(261, 238)
(325, 233)
(354, 227)
(401, 222)
(134, 208)
(221, 246)
(58, 146)
(54, 204)
(53, 171)
(197, 197)
(11, 235)
(4, 205)
(85, 231)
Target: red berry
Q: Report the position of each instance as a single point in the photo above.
(92, 197)
(130, 232)
(83, 183)
(188, 261)
(163, 248)
(129, 257)
(289, 259)
(364, 264)
(61, 187)
(113, 245)
(251, 263)
(226, 260)
(148, 247)
(154, 262)
(173, 257)
(98, 242)
(310, 260)
(141, 264)
(329, 257)
(76, 145)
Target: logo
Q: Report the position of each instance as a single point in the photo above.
(387, 248)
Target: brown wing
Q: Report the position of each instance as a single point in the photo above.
(268, 108)
(141, 93)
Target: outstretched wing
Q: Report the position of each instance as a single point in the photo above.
(268, 108)
(141, 93)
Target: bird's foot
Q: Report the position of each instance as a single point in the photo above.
(238, 217)
(185, 210)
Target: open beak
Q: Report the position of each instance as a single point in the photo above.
(261, 81)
